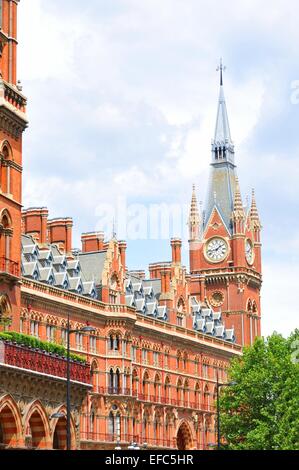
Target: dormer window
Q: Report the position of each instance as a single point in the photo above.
(180, 319)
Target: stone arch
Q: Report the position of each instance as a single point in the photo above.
(37, 427)
(6, 150)
(10, 423)
(184, 435)
(59, 437)
(5, 306)
(5, 219)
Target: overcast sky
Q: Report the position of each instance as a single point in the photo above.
(122, 105)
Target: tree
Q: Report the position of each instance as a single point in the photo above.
(261, 412)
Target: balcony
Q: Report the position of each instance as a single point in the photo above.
(45, 363)
(114, 391)
(159, 400)
(126, 439)
(9, 268)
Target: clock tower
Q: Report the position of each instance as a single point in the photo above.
(225, 247)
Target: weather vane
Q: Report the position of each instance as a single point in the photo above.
(221, 68)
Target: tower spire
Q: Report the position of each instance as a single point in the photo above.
(222, 144)
(223, 174)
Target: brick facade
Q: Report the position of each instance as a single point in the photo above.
(153, 369)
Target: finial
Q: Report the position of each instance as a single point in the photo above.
(221, 68)
(215, 197)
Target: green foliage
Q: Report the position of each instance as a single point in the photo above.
(35, 343)
(261, 412)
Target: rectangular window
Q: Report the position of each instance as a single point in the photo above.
(134, 353)
(205, 370)
(166, 361)
(64, 336)
(156, 358)
(93, 344)
(50, 331)
(79, 341)
(34, 327)
(144, 356)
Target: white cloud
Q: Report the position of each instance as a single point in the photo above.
(122, 101)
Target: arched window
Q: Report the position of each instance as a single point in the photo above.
(145, 385)
(167, 389)
(111, 427)
(178, 359)
(179, 392)
(186, 393)
(181, 313)
(117, 382)
(206, 398)
(114, 424)
(5, 170)
(111, 381)
(157, 388)
(92, 422)
(135, 382)
(5, 239)
(197, 396)
(113, 294)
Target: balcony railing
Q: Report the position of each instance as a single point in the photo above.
(8, 266)
(115, 391)
(163, 400)
(127, 439)
(43, 362)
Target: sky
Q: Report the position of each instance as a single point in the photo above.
(122, 100)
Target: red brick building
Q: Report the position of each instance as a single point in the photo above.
(159, 343)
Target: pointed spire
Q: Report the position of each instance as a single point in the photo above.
(222, 144)
(254, 215)
(238, 209)
(222, 130)
(194, 218)
(238, 204)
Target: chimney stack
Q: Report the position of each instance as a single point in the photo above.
(92, 242)
(60, 231)
(34, 222)
(176, 246)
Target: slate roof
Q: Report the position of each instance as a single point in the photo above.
(49, 266)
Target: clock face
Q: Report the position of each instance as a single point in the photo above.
(216, 249)
(249, 252)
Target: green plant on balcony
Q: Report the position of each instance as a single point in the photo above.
(34, 343)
